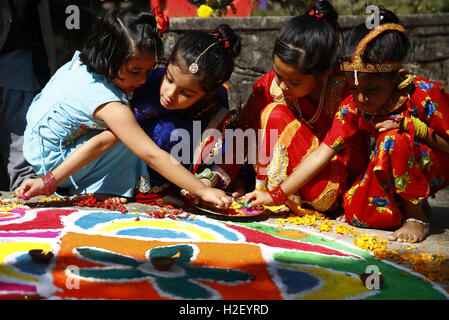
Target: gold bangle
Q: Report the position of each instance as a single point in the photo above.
(404, 124)
(420, 128)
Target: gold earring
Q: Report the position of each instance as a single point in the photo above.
(404, 83)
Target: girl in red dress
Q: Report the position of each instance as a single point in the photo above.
(407, 118)
(294, 105)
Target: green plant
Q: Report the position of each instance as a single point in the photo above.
(355, 7)
(358, 7)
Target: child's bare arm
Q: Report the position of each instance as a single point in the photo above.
(86, 153)
(83, 155)
(436, 141)
(306, 170)
(432, 140)
(123, 124)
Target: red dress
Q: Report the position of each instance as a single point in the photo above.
(400, 166)
(291, 129)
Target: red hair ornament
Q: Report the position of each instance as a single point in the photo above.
(316, 13)
(162, 21)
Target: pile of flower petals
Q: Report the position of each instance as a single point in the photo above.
(432, 266)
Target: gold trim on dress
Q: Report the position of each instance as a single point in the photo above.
(277, 168)
(276, 92)
(264, 117)
(329, 195)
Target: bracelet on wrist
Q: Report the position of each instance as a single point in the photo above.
(207, 174)
(50, 184)
(420, 127)
(278, 195)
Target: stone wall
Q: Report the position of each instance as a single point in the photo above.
(428, 56)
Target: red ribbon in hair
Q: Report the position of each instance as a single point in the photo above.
(162, 21)
(316, 13)
(227, 44)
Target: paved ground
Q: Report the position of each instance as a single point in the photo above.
(436, 242)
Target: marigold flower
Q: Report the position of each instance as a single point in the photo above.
(325, 227)
(204, 11)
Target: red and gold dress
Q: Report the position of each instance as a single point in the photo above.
(400, 166)
(291, 129)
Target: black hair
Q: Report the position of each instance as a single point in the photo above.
(310, 42)
(389, 46)
(216, 64)
(118, 36)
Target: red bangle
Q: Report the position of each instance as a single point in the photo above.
(278, 195)
(50, 184)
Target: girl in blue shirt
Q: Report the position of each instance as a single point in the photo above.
(81, 133)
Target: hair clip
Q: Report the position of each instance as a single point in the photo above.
(318, 14)
(193, 68)
(227, 43)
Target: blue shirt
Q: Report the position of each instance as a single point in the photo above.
(61, 113)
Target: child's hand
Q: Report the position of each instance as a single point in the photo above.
(197, 200)
(386, 125)
(30, 188)
(237, 188)
(206, 182)
(217, 197)
(258, 198)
